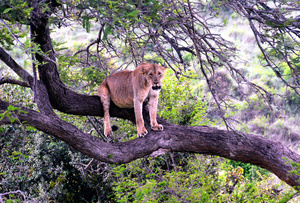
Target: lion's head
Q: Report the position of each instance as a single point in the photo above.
(154, 74)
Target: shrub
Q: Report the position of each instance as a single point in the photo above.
(180, 104)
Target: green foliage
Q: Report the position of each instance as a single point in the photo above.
(73, 74)
(17, 10)
(9, 113)
(295, 170)
(16, 94)
(126, 14)
(191, 179)
(8, 32)
(93, 76)
(250, 171)
(180, 104)
(89, 77)
(122, 14)
(6, 39)
(48, 171)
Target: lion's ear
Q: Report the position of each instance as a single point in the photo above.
(163, 66)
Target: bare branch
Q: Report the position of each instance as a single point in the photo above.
(273, 27)
(14, 82)
(92, 43)
(13, 192)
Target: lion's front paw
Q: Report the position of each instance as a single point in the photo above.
(108, 132)
(157, 127)
(142, 133)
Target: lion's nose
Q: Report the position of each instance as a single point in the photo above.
(155, 82)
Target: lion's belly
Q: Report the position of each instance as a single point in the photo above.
(120, 88)
(122, 91)
(122, 96)
(123, 102)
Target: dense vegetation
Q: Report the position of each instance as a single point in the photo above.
(36, 166)
(46, 169)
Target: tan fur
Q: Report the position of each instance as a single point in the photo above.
(129, 89)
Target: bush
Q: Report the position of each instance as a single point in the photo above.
(203, 179)
(46, 169)
(180, 104)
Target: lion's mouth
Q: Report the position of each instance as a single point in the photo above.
(156, 87)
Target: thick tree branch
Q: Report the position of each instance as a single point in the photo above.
(252, 149)
(5, 57)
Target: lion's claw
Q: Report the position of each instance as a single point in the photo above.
(158, 127)
(108, 132)
(143, 134)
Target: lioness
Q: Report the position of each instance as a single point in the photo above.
(129, 89)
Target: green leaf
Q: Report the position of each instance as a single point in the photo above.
(133, 13)
(7, 10)
(86, 24)
(107, 32)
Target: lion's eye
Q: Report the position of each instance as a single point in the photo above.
(159, 74)
(151, 75)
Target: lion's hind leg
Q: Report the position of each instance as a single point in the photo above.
(104, 94)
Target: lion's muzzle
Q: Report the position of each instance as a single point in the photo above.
(158, 87)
